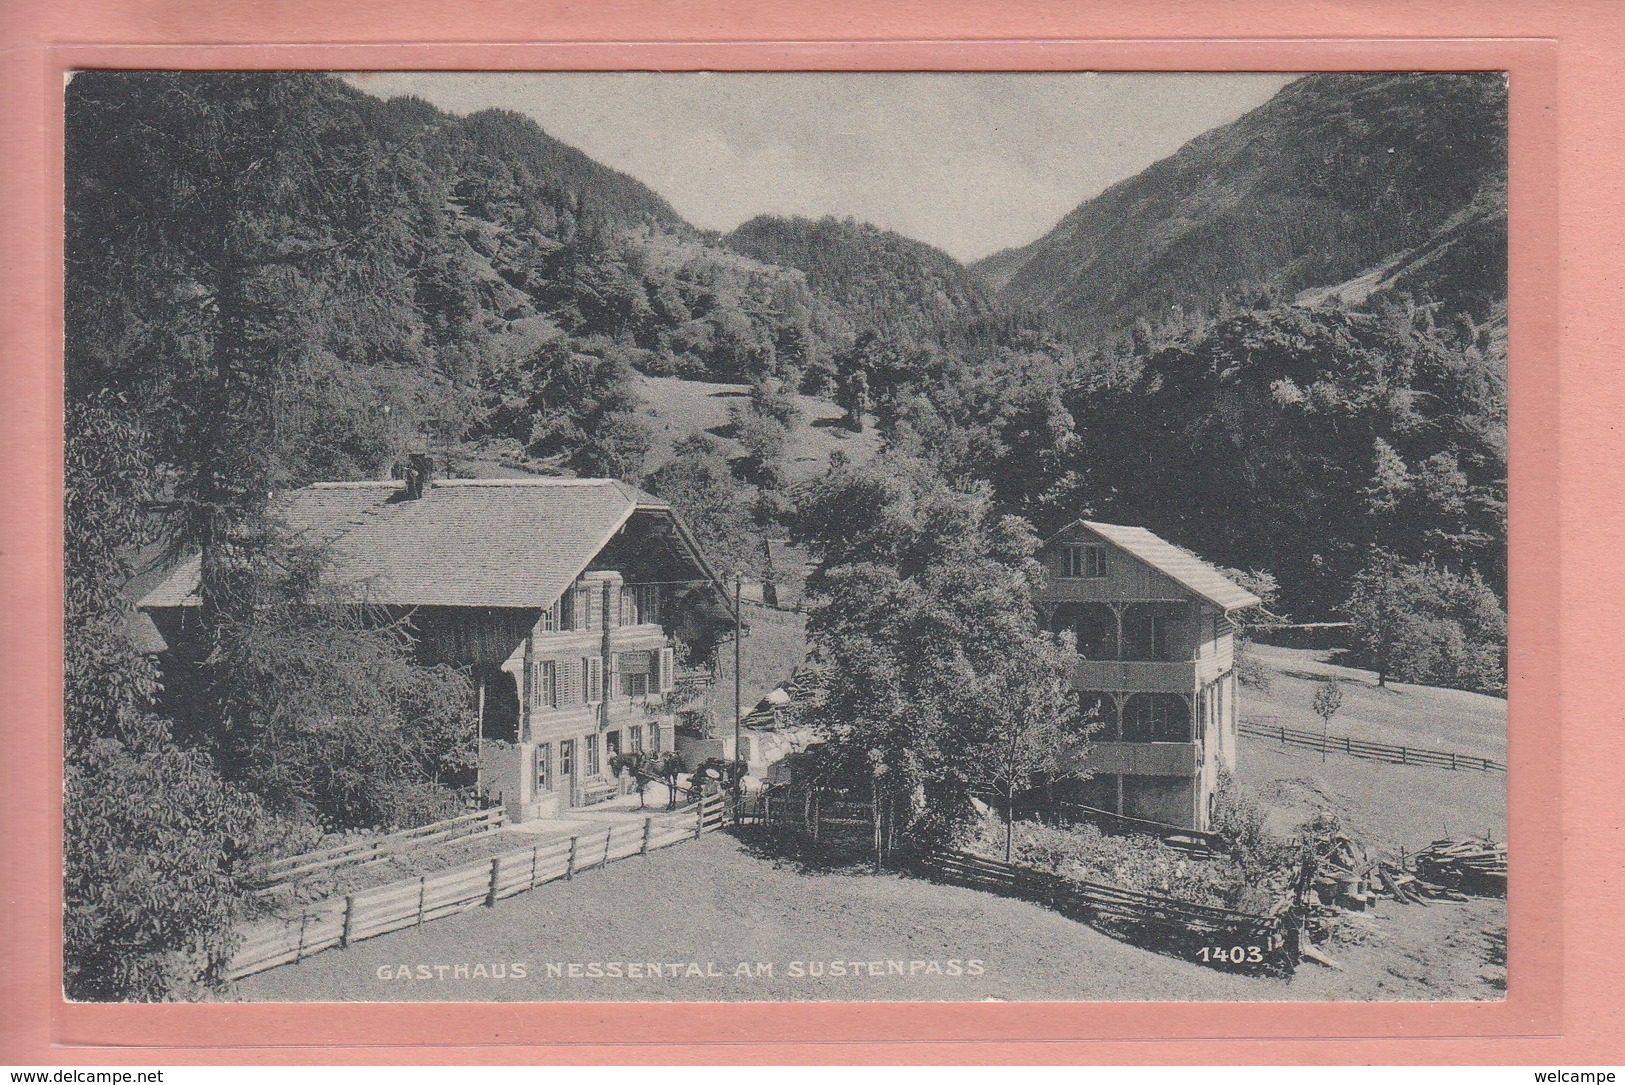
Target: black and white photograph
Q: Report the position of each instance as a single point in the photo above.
(785, 537)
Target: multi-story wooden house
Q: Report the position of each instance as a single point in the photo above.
(1156, 656)
(567, 599)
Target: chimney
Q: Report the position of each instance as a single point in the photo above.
(419, 470)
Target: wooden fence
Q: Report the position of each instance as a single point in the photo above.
(1268, 727)
(371, 912)
(275, 871)
(1196, 931)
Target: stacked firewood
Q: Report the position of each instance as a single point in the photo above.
(1467, 864)
(1348, 878)
(1341, 876)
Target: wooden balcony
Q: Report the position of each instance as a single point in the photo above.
(1123, 676)
(1146, 758)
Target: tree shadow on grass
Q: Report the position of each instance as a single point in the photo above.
(788, 851)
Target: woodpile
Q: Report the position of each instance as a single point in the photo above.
(1464, 864)
(1340, 876)
(1346, 877)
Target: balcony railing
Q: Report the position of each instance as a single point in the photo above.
(1145, 758)
(1110, 675)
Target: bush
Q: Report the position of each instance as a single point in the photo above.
(1139, 863)
(1239, 817)
(152, 838)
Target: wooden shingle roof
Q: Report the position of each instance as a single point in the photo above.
(465, 542)
(1177, 564)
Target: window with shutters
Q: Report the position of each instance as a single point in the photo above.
(551, 618)
(632, 670)
(545, 684)
(593, 766)
(654, 738)
(544, 767)
(634, 738)
(568, 608)
(592, 680)
(578, 607)
(668, 669)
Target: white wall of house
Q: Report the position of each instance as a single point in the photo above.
(587, 689)
(1142, 635)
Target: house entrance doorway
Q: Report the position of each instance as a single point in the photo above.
(567, 770)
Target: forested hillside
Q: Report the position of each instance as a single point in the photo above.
(1335, 175)
(875, 280)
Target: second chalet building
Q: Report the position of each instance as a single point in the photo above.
(567, 600)
(1156, 660)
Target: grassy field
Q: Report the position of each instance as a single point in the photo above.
(677, 408)
(774, 646)
(1389, 806)
(1400, 713)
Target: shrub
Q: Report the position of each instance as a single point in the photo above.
(1139, 863)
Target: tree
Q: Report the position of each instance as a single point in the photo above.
(152, 837)
(153, 843)
(1035, 733)
(926, 632)
(320, 707)
(1423, 622)
(1328, 699)
(1250, 670)
(714, 504)
(759, 426)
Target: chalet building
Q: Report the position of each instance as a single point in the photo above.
(567, 600)
(1156, 653)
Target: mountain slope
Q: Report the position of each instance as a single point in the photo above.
(875, 279)
(509, 146)
(1335, 175)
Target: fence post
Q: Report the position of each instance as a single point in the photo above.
(299, 950)
(699, 817)
(1348, 744)
(491, 892)
(1452, 761)
(422, 883)
(1283, 734)
(570, 867)
(648, 828)
(608, 833)
(1404, 756)
(533, 852)
(349, 916)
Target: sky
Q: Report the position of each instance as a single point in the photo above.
(969, 162)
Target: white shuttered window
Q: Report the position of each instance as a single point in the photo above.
(592, 680)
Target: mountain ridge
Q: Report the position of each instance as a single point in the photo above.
(1330, 178)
